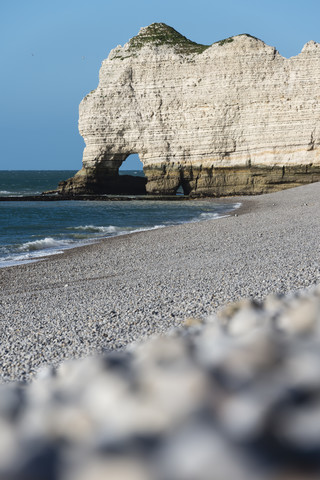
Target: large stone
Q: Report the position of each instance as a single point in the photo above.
(231, 118)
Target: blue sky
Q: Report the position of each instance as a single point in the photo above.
(51, 53)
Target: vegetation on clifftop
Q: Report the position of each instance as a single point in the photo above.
(226, 40)
(159, 34)
(162, 34)
(231, 39)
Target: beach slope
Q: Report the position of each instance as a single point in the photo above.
(104, 296)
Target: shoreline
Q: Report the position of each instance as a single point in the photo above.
(59, 250)
(109, 294)
(95, 197)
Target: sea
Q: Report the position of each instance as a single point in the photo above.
(31, 230)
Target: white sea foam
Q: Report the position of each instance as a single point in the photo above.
(44, 243)
(34, 251)
(19, 193)
(210, 215)
(145, 229)
(94, 228)
(115, 231)
(225, 213)
(28, 257)
(87, 234)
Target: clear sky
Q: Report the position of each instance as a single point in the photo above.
(51, 53)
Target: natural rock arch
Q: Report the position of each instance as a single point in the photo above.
(104, 178)
(231, 118)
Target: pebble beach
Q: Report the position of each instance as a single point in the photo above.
(141, 406)
(104, 296)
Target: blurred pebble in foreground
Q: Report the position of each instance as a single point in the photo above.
(235, 397)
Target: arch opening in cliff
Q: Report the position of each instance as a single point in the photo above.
(183, 188)
(132, 164)
(131, 177)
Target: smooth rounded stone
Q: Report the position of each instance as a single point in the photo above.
(302, 369)
(210, 344)
(161, 351)
(138, 413)
(196, 451)
(242, 416)
(235, 364)
(274, 304)
(168, 378)
(67, 423)
(241, 317)
(229, 311)
(300, 317)
(243, 322)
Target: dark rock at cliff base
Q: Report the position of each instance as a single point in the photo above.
(116, 185)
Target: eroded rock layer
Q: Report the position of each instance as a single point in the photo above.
(231, 118)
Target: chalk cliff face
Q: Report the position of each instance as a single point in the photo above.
(231, 118)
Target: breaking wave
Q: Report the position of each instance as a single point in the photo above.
(210, 216)
(45, 243)
(94, 228)
(54, 221)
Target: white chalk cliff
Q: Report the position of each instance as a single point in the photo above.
(231, 118)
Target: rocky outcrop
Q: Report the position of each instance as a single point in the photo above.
(231, 118)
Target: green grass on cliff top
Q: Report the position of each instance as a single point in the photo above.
(162, 34)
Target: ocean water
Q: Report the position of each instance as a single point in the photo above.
(31, 230)
(31, 182)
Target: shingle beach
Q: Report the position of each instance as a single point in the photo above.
(224, 392)
(123, 289)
